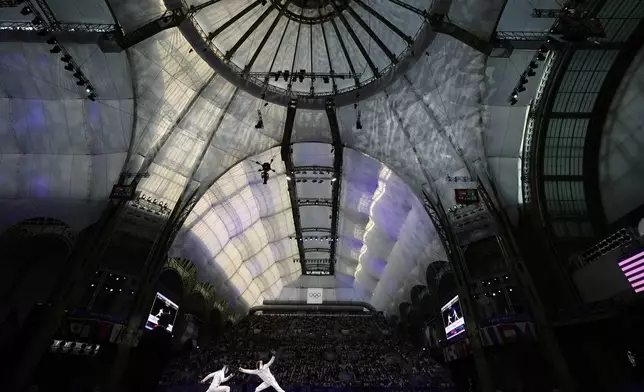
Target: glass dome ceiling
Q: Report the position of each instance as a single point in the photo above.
(310, 47)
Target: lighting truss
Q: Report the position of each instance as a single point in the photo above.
(99, 28)
(51, 24)
(315, 202)
(293, 76)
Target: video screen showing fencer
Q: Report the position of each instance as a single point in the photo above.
(453, 318)
(162, 306)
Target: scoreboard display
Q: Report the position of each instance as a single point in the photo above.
(466, 196)
(123, 192)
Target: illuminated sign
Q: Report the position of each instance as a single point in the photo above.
(123, 192)
(466, 196)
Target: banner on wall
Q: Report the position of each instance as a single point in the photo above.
(314, 296)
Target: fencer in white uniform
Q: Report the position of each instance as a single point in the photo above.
(218, 378)
(263, 372)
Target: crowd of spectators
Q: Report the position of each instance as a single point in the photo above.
(321, 350)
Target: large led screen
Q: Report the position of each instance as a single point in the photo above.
(633, 268)
(162, 307)
(453, 318)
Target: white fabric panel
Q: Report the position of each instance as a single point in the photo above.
(56, 145)
(238, 233)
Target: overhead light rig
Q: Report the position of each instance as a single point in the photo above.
(313, 238)
(44, 26)
(529, 72)
(300, 76)
(322, 202)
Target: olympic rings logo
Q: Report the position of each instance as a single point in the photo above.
(315, 295)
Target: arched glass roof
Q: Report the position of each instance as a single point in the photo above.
(308, 46)
(166, 117)
(242, 238)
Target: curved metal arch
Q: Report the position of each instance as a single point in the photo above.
(261, 88)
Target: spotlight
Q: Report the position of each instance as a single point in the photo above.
(88, 90)
(358, 124)
(55, 49)
(66, 58)
(325, 79)
(78, 75)
(513, 101)
(26, 11)
(301, 78)
(333, 179)
(286, 75)
(92, 97)
(288, 178)
(277, 75)
(259, 125)
(533, 65)
(541, 56)
(515, 95)
(37, 21)
(69, 67)
(523, 80)
(530, 72)
(521, 88)
(52, 41)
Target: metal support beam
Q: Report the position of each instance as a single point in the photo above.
(231, 52)
(316, 230)
(233, 20)
(323, 250)
(456, 260)
(357, 41)
(249, 66)
(287, 157)
(169, 19)
(373, 35)
(386, 22)
(345, 51)
(337, 168)
(441, 25)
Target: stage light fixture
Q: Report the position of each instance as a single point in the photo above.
(78, 75)
(55, 49)
(92, 97)
(531, 72)
(277, 75)
(52, 41)
(69, 67)
(533, 65)
(521, 88)
(80, 83)
(37, 21)
(66, 58)
(513, 101)
(89, 90)
(325, 79)
(541, 56)
(286, 75)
